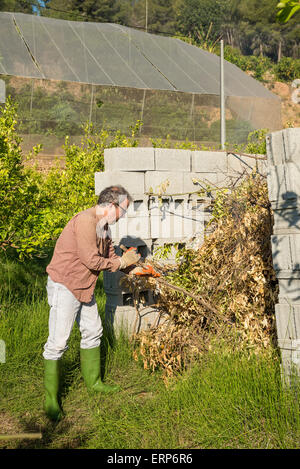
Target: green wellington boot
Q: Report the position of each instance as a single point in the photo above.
(90, 369)
(51, 382)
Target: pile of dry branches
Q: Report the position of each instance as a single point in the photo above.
(231, 280)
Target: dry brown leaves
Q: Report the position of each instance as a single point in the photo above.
(233, 272)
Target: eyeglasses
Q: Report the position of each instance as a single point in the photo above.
(123, 210)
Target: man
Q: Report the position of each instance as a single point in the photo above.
(82, 251)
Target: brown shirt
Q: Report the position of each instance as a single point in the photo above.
(79, 256)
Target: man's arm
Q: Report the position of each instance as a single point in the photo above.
(112, 253)
(87, 247)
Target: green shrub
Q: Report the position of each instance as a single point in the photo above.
(287, 69)
(235, 57)
(35, 207)
(20, 197)
(256, 64)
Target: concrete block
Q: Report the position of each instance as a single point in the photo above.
(288, 321)
(286, 251)
(175, 218)
(291, 140)
(180, 209)
(289, 286)
(275, 148)
(143, 246)
(290, 369)
(287, 220)
(194, 220)
(154, 180)
(262, 167)
(290, 357)
(172, 160)
(193, 182)
(111, 281)
(240, 163)
(129, 159)
(135, 223)
(283, 146)
(161, 219)
(209, 162)
(284, 182)
(133, 182)
(285, 204)
(139, 206)
(135, 227)
(116, 297)
(289, 344)
(127, 320)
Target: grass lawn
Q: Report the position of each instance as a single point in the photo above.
(223, 401)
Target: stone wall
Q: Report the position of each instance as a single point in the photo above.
(178, 216)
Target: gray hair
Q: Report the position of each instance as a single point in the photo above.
(113, 195)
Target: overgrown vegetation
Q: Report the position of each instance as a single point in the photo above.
(232, 275)
(285, 70)
(35, 206)
(227, 394)
(228, 399)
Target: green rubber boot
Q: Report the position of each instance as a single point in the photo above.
(51, 382)
(90, 369)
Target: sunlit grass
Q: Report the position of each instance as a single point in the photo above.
(225, 400)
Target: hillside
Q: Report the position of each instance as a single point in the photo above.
(290, 111)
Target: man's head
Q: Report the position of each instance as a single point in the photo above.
(112, 203)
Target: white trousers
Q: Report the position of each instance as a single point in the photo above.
(64, 310)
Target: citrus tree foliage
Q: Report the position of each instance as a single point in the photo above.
(74, 185)
(34, 206)
(20, 198)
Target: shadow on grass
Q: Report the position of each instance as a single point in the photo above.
(51, 433)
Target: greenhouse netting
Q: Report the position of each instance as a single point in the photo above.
(65, 73)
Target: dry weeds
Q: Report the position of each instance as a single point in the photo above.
(232, 272)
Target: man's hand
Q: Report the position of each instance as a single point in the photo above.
(129, 257)
(146, 270)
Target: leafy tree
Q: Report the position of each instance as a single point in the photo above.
(22, 6)
(88, 10)
(35, 207)
(287, 8)
(161, 15)
(257, 31)
(197, 18)
(19, 191)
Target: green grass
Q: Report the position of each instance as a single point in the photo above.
(224, 400)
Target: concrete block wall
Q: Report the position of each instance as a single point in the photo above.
(283, 176)
(151, 221)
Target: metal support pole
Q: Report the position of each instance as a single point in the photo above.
(222, 98)
(91, 104)
(2, 91)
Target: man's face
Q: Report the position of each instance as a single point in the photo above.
(116, 211)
